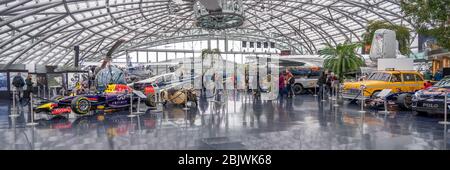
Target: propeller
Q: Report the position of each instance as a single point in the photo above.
(108, 57)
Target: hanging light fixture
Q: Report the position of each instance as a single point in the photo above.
(219, 14)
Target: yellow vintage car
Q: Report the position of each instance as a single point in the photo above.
(397, 81)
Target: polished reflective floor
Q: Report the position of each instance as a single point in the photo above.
(241, 122)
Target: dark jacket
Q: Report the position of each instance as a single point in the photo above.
(29, 84)
(322, 79)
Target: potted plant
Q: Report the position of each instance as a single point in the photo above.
(342, 59)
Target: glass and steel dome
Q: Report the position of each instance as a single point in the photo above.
(45, 31)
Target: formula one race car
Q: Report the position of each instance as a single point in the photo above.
(116, 96)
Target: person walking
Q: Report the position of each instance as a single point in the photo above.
(321, 83)
(428, 75)
(290, 80)
(331, 82)
(29, 89)
(18, 83)
(438, 76)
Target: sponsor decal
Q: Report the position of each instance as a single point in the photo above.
(61, 111)
(62, 125)
(430, 105)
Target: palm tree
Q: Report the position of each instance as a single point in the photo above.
(342, 59)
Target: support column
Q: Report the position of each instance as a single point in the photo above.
(209, 44)
(226, 44)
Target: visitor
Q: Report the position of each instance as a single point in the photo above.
(290, 80)
(321, 83)
(217, 86)
(29, 89)
(428, 75)
(181, 77)
(363, 77)
(18, 83)
(427, 84)
(438, 76)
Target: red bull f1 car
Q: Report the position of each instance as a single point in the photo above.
(116, 96)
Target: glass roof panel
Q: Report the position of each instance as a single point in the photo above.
(27, 28)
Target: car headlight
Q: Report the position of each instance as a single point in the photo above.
(417, 95)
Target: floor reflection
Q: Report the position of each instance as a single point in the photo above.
(238, 122)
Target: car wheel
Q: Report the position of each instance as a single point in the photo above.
(298, 89)
(405, 101)
(150, 101)
(80, 105)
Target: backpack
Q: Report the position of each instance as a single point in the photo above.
(292, 80)
(18, 81)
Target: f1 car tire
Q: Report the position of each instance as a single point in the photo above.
(150, 101)
(298, 89)
(80, 105)
(405, 101)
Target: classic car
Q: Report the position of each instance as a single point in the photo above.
(402, 84)
(397, 81)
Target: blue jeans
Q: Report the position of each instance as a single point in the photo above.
(321, 91)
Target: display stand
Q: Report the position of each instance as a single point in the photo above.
(131, 106)
(186, 108)
(44, 91)
(336, 97)
(445, 122)
(138, 109)
(14, 107)
(315, 90)
(38, 91)
(362, 100)
(32, 123)
(333, 90)
(159, 103)
(383, 94)
(53, 90)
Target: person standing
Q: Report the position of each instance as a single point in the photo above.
(427, 84)
(331, 82)
(18, 83)
(438, 76)
(321, 83)
(290, 80)
(427, 75)
(29, 89)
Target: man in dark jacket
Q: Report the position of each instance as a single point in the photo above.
(321, 83)
(18, 83)
(29, 89)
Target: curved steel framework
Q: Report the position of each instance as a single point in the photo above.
(45, 31)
